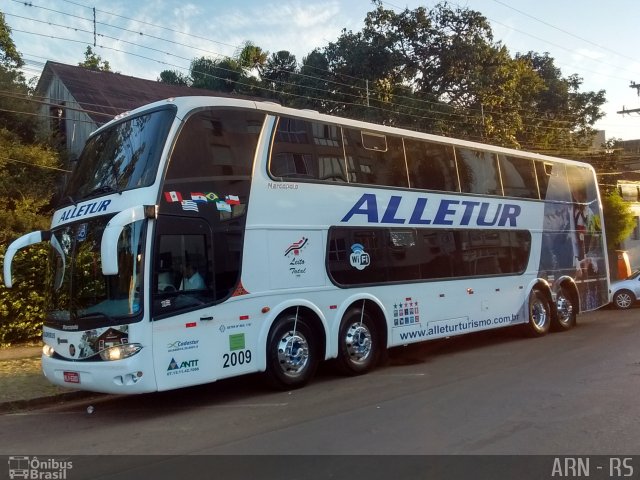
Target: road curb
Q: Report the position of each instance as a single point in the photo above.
(16, 405)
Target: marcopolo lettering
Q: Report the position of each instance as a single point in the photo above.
(446, 212)
(87, 209)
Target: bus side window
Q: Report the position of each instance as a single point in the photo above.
(165, 276)
(307, 150)
(478, 172)
(182, 276)
(518, 177)
(431, 165)
(423, 254)
(375, 159)
(543, 172)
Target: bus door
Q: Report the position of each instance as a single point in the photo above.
(182, 296)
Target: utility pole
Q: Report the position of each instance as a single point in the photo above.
(635, 110)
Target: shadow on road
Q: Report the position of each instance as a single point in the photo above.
(251, 389)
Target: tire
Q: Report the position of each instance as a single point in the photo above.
(358, 343)
(565, 317)
(539, 315)
(292, 356)
(624, 299)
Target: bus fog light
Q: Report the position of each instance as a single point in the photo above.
(48, 350)
(118, 352)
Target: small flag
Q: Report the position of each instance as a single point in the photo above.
(198, 197)
(212, 197)
(190, 205)
(223, 207)
(232, 200)
(173, 196)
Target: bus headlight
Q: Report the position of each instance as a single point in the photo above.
(118, 352)
(48, 350)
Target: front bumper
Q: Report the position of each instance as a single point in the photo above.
(130, 375)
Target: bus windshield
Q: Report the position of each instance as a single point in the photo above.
(123, 157)
(78, 292)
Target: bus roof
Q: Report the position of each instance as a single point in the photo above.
(188, 103)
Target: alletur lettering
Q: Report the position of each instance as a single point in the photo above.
(86, 209)
(446, 212)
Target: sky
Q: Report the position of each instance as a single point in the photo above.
(593, 39)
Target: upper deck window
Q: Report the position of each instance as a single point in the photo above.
(375, 159)
(518, 176)
(210, 167)
(478, 172)
(122, 157)
(432, 166)
(307, 150)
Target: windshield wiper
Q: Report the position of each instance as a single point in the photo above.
(114, 172)
(94, 316)
(100, 191)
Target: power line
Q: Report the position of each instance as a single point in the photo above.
(582, 39)
(461, 115)
(150, 24)
(355, 87)
(324, 91)
(574, 151)
(13, 160)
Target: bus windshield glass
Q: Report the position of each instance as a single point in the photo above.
(123, 157)
(77, 291)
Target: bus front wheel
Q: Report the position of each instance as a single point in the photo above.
(292, 356)
(539, 314)
(358, 343)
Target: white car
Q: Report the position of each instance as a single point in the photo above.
(624, 293)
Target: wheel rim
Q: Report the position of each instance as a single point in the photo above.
(565, 310)
(539, 314)
(293, 353)
(358, 342)
(623, 300)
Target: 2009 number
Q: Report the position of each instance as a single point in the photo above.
(236, 358)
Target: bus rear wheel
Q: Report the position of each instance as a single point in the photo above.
(539, 314)
(292, 356)
(565, 318)
(358, 343)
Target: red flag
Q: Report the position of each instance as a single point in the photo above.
(232, 200)
(173, 196)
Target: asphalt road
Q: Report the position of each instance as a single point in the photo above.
(576, 392)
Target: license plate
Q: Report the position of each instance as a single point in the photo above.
(71, 377)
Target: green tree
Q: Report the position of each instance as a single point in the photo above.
(424, 58)
(173, 77)
(312, 83)
(10, 58)
(93, 61)
(16, 109)
(560, 116)
(619, 220)
(252, 58)
(440, 70)
(22, 308)
(278, 75)
(220, 75)
(28, 174)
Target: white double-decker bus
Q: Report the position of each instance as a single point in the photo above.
(202, 238)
